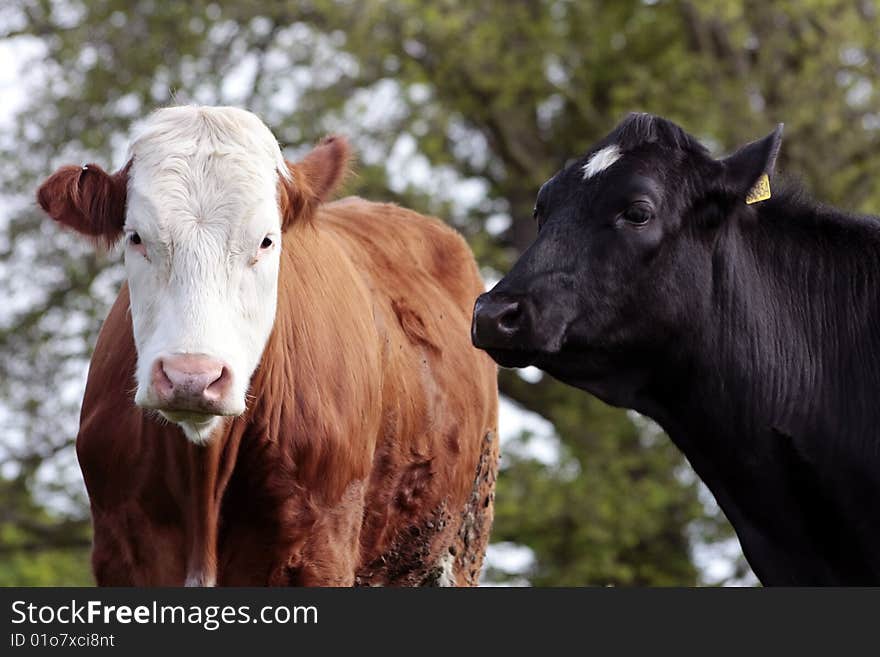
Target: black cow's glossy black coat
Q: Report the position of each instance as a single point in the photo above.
(749, 332)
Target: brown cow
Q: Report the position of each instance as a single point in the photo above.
(348, 437)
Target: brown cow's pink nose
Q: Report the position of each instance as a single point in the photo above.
(190, 381)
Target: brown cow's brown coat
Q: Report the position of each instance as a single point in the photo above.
(368, 453)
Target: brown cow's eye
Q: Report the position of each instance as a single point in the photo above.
(266, 243)
(135, 239)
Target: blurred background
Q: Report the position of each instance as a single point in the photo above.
(457, 109)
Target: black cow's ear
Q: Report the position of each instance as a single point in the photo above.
(746, 167)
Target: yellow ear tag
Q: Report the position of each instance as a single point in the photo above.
(761, 190)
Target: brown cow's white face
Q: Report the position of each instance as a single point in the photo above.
(202, 243)
(201, 206)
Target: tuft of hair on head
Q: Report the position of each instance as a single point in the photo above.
(88, 200)
(639, 128)
(314, 179)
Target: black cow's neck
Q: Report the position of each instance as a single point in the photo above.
(793, 309)
(774, 404)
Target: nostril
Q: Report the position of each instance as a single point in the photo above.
(161, 382)
(218, 387)
(509, 319)
(500, 322)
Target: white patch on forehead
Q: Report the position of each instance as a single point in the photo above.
(601, 160)
(193, 133)
(202, 165)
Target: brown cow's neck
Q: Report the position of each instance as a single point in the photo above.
(210, 467)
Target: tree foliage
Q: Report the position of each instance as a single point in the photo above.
(460, 109)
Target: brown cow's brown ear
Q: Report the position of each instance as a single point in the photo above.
(314, 179)
(88, 200)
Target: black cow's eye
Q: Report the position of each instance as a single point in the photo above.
(638, 214)
(266, 243)
(135, 239)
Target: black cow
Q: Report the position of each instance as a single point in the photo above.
(750, 331)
